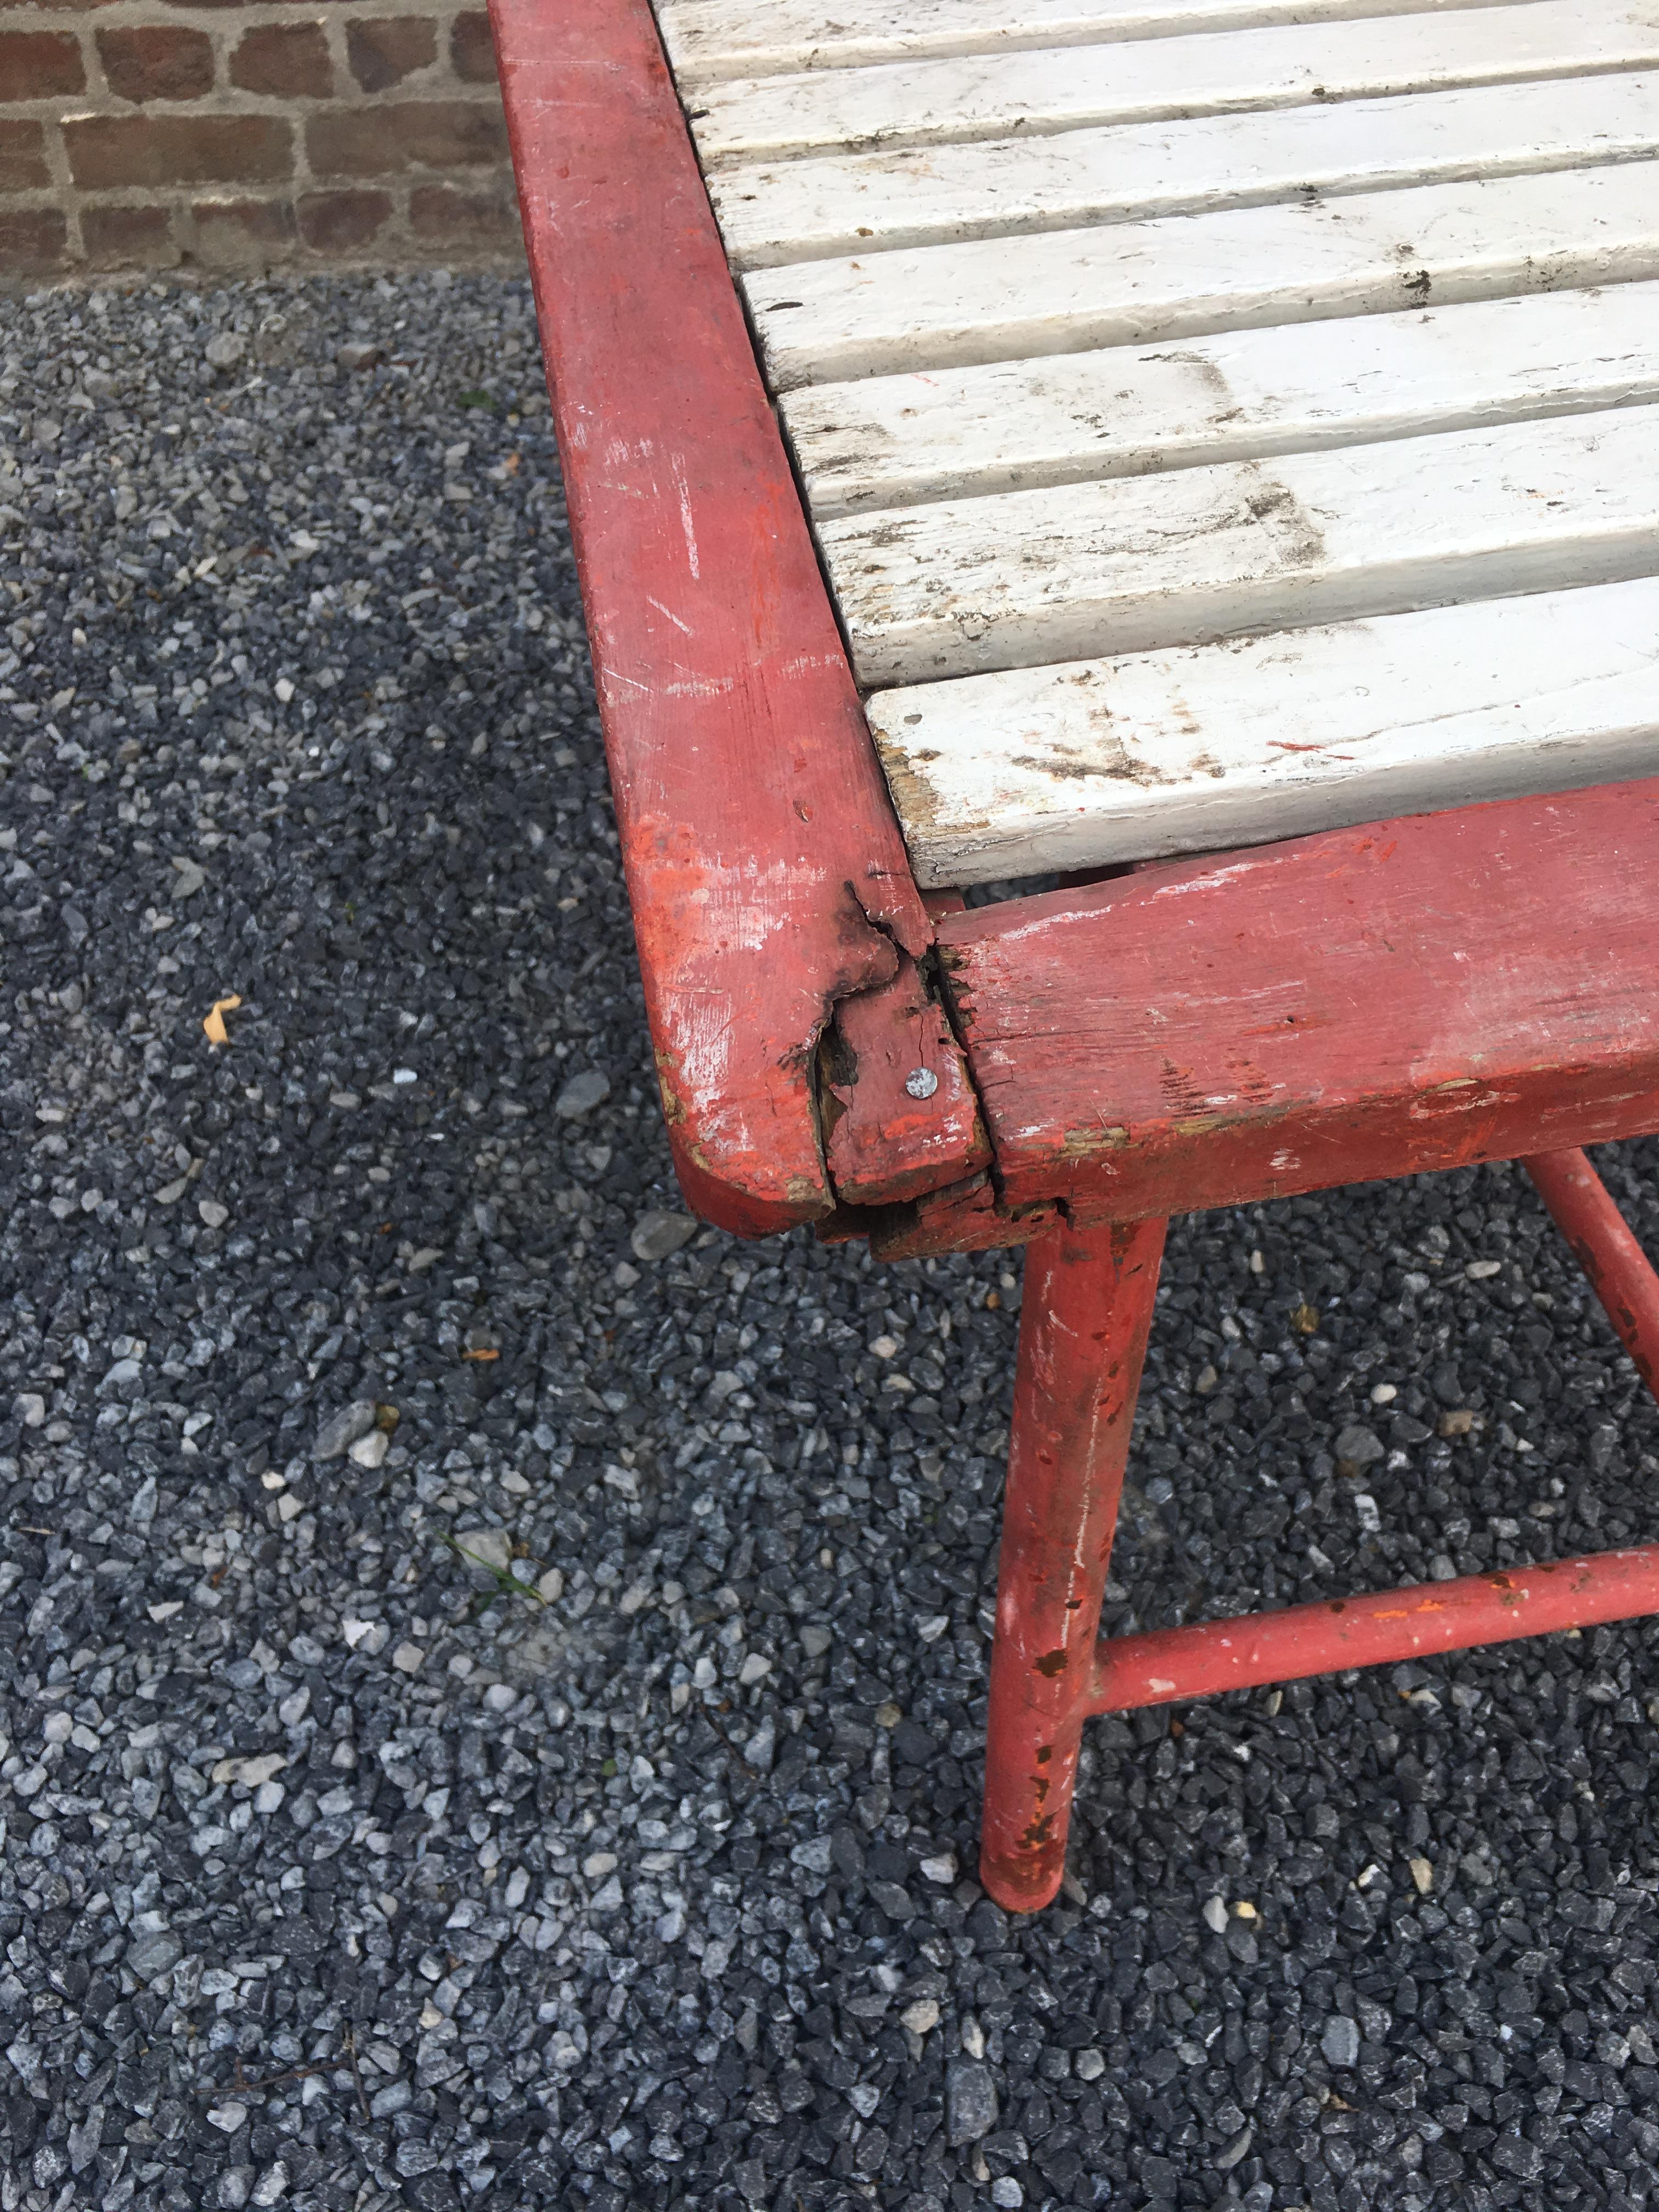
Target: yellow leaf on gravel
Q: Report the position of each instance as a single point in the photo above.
(214, 1022)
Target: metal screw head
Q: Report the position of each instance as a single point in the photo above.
(921, 1082)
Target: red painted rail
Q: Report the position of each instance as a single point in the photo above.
(1415, 996)
(1168, 1664)
(768, 877)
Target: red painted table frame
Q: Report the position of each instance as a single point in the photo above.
(1202, 1034)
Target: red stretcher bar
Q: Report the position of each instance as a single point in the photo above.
(1171, 1664)
(1606, 1248)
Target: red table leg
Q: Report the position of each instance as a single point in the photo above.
(1086, 1312)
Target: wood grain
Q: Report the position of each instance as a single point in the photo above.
(1200, 554)
(818, 208)
(1094, 763)
(1416, 996)
(710, 40)
(1034, 94)
(892, 442)
(1134, 284)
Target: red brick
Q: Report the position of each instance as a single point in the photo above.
(289, 59)
(387, 50)
(40, 64)
(128, 238)
(432, 134)
(22, 157)
(156, 61)
(111, 151)
(443, 216)
(32, 240)
(335, 223)
(472, 49)
(241, 234)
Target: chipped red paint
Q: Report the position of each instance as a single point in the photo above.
(768, 877)
(889, 1136)
(1170, 1665)
(1447, 988)
(1086, 1311)
(1619, 1270)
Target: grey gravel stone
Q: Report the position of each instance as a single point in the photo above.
(340, 1430)
(659, 1234)
(970, 2100)
(154, 1954)
(1515, 2154)
(1339, 2041)
(1234, 2149)
(1359, 1446)
(752, 1681)
(582, 1094)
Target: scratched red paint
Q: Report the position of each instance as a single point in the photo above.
(1086, 1311)
(1168, 1665)
(766, 870)
(1441, 990)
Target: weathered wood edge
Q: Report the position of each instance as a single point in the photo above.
(767, 876)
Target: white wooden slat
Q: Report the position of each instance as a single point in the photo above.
(952, 434)
(709, 40)
(810, 210)
(965, 586)
(1161, 79)
(1099, 761)
(1013, 299)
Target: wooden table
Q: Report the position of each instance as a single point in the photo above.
(1205, 449)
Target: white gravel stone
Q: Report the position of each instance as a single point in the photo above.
(250, 1771)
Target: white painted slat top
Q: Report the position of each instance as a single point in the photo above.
(1034, 94)
(1096, 762)
(1132, 283)
(1220, 419)
(865, 203)
(710, 40)
(945, 433)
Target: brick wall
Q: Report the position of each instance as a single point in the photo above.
(226, 134)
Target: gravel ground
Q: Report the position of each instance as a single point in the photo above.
(493, 1674)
